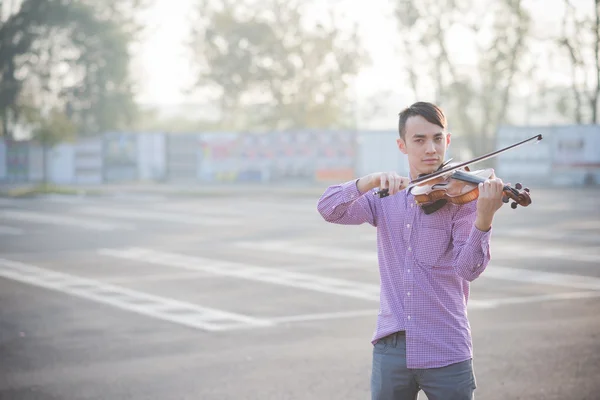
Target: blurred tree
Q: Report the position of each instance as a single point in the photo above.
(150, 120)
(272, 69)
(68, 54)
(580, 40)
(476, 99)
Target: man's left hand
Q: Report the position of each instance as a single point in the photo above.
(488, 202)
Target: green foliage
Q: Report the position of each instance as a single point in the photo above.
(53, 128)
(150, 121)
(72, 55)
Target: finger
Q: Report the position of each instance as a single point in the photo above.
(499, 185)
(393, 184)
(398, 183)
(486, 188)
(383, 181)
(491, 188)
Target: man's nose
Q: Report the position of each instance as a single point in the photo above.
(430, 147)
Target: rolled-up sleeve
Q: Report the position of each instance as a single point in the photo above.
(471, 245)
(344, 204)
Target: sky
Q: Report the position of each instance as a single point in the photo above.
(164, 67)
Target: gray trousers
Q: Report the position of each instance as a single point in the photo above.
(392, 380)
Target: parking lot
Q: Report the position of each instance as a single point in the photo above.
(254, 296)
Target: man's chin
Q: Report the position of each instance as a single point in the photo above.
(429, 168)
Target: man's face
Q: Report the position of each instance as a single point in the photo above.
(425, 145)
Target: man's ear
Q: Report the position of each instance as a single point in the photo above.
(401, 145)
(448, 139)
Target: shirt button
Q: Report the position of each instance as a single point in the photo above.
(408, 225)
(411, 205)
(409, 249)
(479, 265)
(408, 294)
(409, 317)
(408, 270)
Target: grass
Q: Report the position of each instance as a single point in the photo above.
(40, 189)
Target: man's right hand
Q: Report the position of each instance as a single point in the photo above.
(383, 180)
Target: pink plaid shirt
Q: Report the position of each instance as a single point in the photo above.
(425, 263)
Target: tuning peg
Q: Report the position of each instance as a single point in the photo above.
(526, 189)
(505, 199)
(513, 205)
(518, 186)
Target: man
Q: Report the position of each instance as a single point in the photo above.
(422, 340)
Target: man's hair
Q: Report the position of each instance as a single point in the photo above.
(429, 111)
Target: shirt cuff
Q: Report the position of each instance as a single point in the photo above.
(479, 235)
(350, 192)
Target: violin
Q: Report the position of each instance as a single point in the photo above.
(457, 184)
(462, 186)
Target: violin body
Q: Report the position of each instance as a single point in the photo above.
(455, 191)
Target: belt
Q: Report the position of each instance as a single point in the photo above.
(392, 338)
(399, 333)
(395, 334)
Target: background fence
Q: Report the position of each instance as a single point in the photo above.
(568, 155)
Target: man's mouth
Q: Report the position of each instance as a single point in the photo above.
(431, 161)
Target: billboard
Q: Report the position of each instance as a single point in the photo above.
(335, 156)
(218, 157)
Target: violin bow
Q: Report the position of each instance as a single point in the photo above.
(484, 157)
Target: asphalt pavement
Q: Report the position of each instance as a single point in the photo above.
(251, 295)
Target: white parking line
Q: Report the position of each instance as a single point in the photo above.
(158, 277)
(250, 272)
(62, 220)
(162, 308)
(158, 216)
(204, 318)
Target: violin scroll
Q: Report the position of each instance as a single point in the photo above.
(519, 197)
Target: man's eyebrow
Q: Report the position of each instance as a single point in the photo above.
(422, 135)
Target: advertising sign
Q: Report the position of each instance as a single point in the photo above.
(218, 157)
